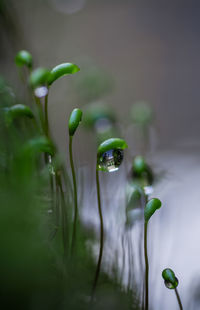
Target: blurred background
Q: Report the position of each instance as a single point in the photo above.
(135, 51)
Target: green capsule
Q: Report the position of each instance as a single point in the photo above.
(74, 120)
(150, 208)
(17, 110)
(39, 77)
(61, 70)
(170, 279)
(23, 58)
(39, 145)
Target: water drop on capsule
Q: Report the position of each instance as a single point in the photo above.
(170, 285)
(111, 160)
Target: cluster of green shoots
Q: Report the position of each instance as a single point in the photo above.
(109, 157)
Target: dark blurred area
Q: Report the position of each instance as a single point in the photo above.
(150, 50)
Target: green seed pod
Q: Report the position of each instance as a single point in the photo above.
(142, 172)
(170, 279)
(74, 121)
(61, 70)
(17, 110)
(23, 58)
(110, 154)
(151, 206)
(139, 165)
(39, 145)
(39, 77)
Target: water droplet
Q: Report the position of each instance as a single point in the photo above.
(41, 91)
(170, 285)
(111, 160)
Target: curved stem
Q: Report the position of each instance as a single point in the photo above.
(75, 196)
(146, 268)
(178, 299)
(101, 235)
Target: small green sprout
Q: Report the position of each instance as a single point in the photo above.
(105, 159)
(74, 120)
(24, 58)
(151, 206)
(39, 77)
(39, 145)
(171, 282)
(61, 70)
(16, 111)
(141, 171)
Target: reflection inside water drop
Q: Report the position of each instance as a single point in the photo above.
(170, 285)
(41, 91)
(111, 160)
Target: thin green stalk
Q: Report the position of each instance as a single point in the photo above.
(46, 118)
(64, 215)
(178, 299)
(146, 268)
(75, 196)
(101, 235)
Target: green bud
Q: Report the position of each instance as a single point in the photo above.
(39, 77)
(151, 206)
(74, 120)
(139, 165)
(61, 70)
(170, 279)
(23, 58)
(112, 143)
(17, 110)
(39, 145)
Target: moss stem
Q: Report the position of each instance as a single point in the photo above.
(75, 196)
(146, 267)
(101, 235)
(178, 299)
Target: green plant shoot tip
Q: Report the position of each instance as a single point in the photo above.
(151, 206)
(61, 70)
(17, 110)
(170, 279)
(74, 120)
(112, 143)
(39, 145)
(23, 58)
(139, 164)
(39, 77)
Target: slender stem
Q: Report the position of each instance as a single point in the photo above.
(64, 214)
(46, 116)
(146, 267)
(75, 196)
(101, 235)
(178, 299)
